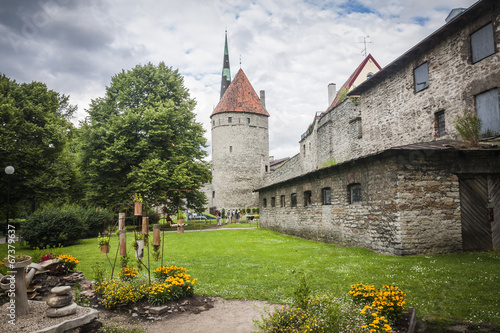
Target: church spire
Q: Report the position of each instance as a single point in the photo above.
(226, 72)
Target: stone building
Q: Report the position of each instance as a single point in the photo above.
(240, 143)
(382, 169)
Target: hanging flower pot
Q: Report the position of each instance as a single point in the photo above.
(104, 248)
(139, 252)
(138, 208)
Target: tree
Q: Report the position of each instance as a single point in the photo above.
(34, 129)
(142, 137)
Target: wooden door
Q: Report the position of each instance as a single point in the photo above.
(479, 194)
(494, 207)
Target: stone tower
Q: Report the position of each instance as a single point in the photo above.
(240, 145)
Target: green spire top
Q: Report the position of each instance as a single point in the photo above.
(226, 71)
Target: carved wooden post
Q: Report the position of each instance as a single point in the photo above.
(156, 234)
(123, 242)
(145, 225)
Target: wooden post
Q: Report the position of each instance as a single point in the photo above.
(156, 234)
(121, 221)
(123, 242)
(145, 225)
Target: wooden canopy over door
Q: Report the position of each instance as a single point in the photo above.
(480, 205)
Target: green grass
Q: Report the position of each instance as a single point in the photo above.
(262, 265)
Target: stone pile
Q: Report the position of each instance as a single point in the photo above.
(62, 303)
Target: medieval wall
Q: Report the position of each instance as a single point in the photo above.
(391, 113)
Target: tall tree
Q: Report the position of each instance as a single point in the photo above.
(142, 137)
(34, 129)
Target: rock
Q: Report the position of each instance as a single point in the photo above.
(59, 301)
(61, 312)
(158, 310)
(93, 326)
(61, 290)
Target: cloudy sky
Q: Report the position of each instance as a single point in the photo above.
(291, 49)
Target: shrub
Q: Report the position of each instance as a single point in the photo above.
(314, 314)
(175, 285)
(69, 262)
(51, 227)
(127, 273)
(116, 292)
(469, 127)
(383, 306)
(321, 314)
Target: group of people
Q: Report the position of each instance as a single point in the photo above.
(229, 215)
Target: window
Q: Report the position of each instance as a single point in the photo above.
(293, 198)
(488, 110)
(273, 201)
(326, 196)
(482, 43)
(369, 75)
(421, 77)
(304, 148)
(248, 120)
(307, 198)
(439, 124)
(267, 168)
(230, 149)
(264, 202)
(229, 120)
(213, 194)
(282, 201)
(354, 192)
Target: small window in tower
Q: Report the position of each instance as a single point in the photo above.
(264, 202)
(213, 194)
(293, 198)
(267, 168)
(439, 124)
(229, 120)
(230, 149)
(248, 120)
(282, 201)
(273, 201)
(307, 198)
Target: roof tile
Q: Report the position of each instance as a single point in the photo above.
(240, 97)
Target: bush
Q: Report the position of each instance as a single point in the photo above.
(115, 292)
(51, 227)
(94, 219)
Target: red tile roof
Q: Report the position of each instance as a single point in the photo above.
(240, 97)
(348, 84)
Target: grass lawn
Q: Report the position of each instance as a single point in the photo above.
(263, 265)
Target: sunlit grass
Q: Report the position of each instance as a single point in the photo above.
(260, 264)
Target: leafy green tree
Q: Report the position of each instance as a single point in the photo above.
(142, 137)
(34, 130)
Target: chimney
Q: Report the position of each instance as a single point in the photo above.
(332, 92)
(263, 98)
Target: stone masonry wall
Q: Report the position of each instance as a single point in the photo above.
(240, 156)
(410, 201)
(371, 224)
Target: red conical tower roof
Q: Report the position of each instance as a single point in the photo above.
(240, 97)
